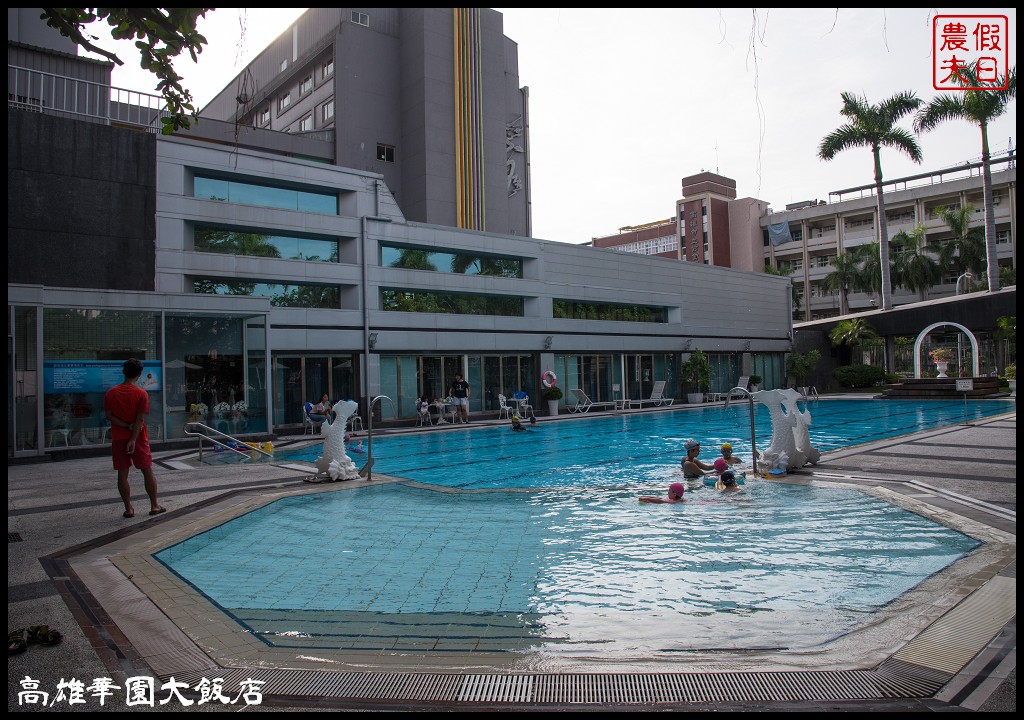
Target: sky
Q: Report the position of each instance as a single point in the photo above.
(624, 103)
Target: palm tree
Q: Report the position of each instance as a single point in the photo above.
(874, 126)
(869, 260)
(979, 107)
(916, 269)
(844, 278)
(967, 246)
(848, 334)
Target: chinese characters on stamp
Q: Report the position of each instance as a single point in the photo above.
(976, 42)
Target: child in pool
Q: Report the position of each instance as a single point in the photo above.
(727, 482)
(675, 495)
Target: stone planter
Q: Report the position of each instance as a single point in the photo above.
(695, 398)
(552, 407)
(941, 366)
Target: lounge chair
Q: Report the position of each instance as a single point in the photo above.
(657, 397)
(583, 402)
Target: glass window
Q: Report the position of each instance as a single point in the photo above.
(263, 117)
(386, 153)
(283, 102)
(281, 295)
(412, 258)
(83, 353)
(327, 110)
(247, 193)
(576, 310)
(327, 69)
(423, 301)
(306, 124)
(256, 244)
(306, 85)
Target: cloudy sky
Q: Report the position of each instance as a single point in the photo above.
(626, 102)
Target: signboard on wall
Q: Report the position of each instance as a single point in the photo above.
(92, 376)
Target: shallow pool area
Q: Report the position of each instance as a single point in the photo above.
(631, 449)
(396, 567)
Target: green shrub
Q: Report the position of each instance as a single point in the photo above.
(859, 376)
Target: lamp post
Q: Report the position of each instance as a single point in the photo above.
(966, 275)
(959, 335)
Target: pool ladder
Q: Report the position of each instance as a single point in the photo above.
(205, 432)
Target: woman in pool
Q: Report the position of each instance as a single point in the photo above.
(694, 469)
(675, 495)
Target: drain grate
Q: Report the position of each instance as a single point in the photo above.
(13, 537)
(892, 680)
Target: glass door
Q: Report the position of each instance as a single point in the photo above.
(639, 376)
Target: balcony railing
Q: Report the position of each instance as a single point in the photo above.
(60, 95)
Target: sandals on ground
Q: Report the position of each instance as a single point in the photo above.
(43, 635)
(16, 642)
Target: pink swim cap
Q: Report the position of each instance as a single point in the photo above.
(721, 465)
(676, 489)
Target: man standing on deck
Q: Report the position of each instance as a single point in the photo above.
(459, 391)
(126, 406)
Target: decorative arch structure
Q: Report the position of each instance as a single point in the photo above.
(975, 360)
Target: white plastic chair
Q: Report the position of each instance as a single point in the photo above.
(523, 401)
(504, 409)
(355, 422)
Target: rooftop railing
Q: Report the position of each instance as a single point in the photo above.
(61, 95)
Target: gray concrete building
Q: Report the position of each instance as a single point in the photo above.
(250, 276)
(427, 97)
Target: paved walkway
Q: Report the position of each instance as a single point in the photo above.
(61, 513)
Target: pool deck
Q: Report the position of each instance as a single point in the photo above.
(75, 564)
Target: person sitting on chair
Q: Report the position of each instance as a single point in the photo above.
(321, 410)
(423, 408)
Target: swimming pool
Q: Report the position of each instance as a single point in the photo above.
(499, 561)
(397, 568)
(633, 449)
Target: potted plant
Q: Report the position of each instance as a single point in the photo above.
(697, 373)
(800, 365)
(941, 357)
(755, 383)
(552, 394)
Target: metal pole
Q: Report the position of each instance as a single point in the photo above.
(753, 439)
(753, 443)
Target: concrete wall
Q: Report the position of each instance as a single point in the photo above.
(81, 204)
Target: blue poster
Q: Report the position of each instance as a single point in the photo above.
(93, 376)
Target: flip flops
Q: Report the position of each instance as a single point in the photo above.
(16, 642)
(43, 635)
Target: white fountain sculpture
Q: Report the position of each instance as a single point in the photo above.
(790, 446)
(335, 462)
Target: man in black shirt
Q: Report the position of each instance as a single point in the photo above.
(459, 391)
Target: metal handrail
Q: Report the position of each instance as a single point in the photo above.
(753, 444)
(203, 436)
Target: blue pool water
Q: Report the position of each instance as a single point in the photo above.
(498, 560)
(398, 567)
(626, 450)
